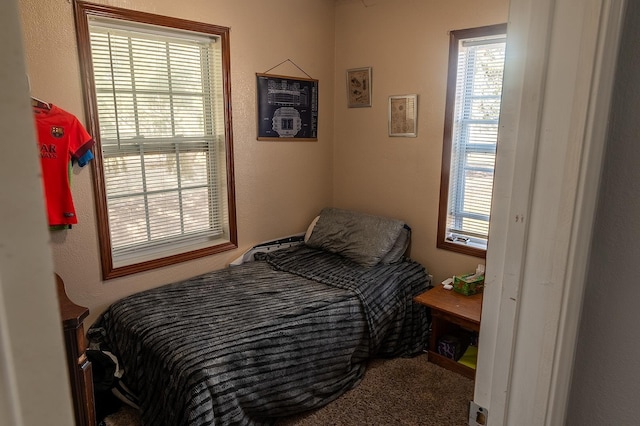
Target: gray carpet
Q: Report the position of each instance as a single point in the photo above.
(403, 391)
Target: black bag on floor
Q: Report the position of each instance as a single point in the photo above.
(104, 369)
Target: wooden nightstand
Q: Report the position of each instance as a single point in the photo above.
(448, 311)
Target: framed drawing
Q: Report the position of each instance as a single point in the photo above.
(403, 115)
(287, 108)
(359, 87)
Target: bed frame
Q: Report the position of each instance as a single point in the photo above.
(80, 373)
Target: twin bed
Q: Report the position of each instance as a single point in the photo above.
(285, 332)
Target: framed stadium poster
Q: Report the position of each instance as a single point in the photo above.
(287, 108)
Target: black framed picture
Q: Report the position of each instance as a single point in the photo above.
(287, 108)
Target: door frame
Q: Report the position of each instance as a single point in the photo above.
(558, 80)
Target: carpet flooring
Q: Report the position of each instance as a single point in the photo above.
(401, 391)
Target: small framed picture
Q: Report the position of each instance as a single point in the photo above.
(403, 115)
(359, 87)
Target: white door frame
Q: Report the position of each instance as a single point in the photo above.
(34, 380)
(559, 73)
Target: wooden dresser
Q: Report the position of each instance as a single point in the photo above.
(80, 375)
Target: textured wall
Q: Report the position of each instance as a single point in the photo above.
(280, 186)
(407, 44)
(606, 376)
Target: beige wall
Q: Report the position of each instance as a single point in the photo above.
(280, 186)
(407, 44)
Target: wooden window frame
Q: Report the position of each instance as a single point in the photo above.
(452, 75)
(83, 11)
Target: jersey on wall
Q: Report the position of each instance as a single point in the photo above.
(61, 138)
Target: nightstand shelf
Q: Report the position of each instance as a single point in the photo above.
(450, 310)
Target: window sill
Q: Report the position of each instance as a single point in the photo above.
(463, 249)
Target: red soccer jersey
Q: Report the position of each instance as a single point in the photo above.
(61, 137)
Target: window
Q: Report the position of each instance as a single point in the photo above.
(474, 90)
(158, 106)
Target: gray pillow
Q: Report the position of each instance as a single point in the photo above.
(399, 248)
(363, 238)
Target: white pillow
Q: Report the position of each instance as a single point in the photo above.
(310, 229)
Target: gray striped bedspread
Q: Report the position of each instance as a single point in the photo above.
(245, 345)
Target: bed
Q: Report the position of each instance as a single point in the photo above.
(287, 331)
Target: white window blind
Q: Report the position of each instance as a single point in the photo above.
(474, 139)
(161, 118)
